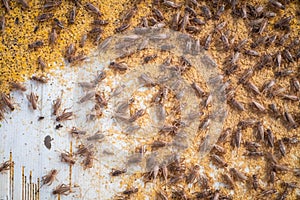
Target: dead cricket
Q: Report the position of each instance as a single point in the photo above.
(76, 132)
(18, 86)
(6, 166)
(67, 158)
(64, 116)
(56, 106)
(6, 100)
(139, 113)
(33, 98)
(49, 178)
(62, 189)
(117, 172)
(40, 79)
(88, 161)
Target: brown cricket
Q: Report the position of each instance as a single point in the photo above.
(219, 149)
(70, 51)
(2, 23)
(92, 8)
(253, 88)
(282, 148)
(50, 177)
(42, 64)
(7, 101)
(258, 106)
(129, 14)
(40, 79)
(100, 22)
(175, 21)
(35, 45)
(117, 172)
(283, 23)
(76, 132)
(88, 96)
(147, 80)
(206, 12)
(6, 5)
(251, 146)
(23, 3)
(252, 52)
(1, 113)
(236, 104)
(268, 192)
(62, 189)
(118, 66)
(100, 76)
(6, 165)
(249, 122)
(83, 150)
(75, 59)
(240, 44)
(158, 14)
(254, 153)
(32, 98)
(207, 41)
(44, 17)
(193, 175)
(219, 12)
(223, 137)
(245, 76)
(255, 183)
(158, 144)
(289, 119)
(276, 4)
(83, 40)
(56, 106)
(64, 116)
(68, 158)
(280, 168)
(149, 58)
(88, 161)
(237, 175)
(199, 91)
(237, 138)
(72, 16)
(139, 113)
(122, 28)
(274, 109)
(171, 4)
(218, 160)
(18, 86)
(270, 138)
(130, 191)
(96, 136)
(229, 181)
(51, 4)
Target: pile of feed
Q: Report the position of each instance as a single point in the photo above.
(256, 48)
